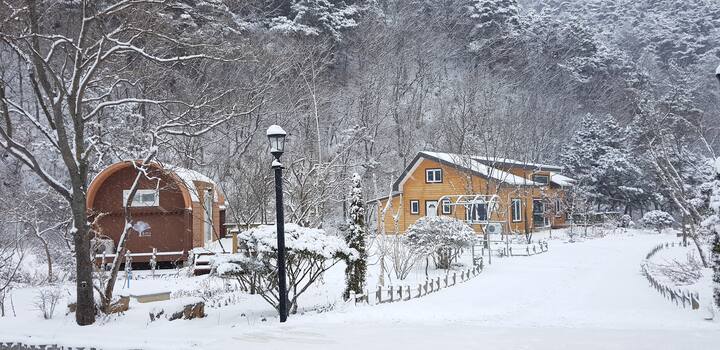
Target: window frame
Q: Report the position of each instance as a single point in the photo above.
(547, 179)
(435, 179)
(137, 202)
(417, 208)
(558, 208)
(471, 209)
(446, 204)
(513, 211)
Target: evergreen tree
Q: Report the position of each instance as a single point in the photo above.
(598, 157)
(355, 237)
(714, 223)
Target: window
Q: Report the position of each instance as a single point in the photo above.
(142, 198)
(415, 207)
(541, 179)
(558, 208)
(476, 212)
(446, 207)
(516, 208)
(433, 175)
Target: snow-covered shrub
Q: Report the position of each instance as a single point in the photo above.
(47, 299)
(441, 237)
(309, 253)
(658, 220)
(625, 221)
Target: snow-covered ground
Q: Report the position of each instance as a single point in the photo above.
(584, 295)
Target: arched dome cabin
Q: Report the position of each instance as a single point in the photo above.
(174, 210)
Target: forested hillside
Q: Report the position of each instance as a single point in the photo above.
(623, 94)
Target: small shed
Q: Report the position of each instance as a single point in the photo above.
(173, 211)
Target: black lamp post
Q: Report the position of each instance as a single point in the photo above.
(276, 136)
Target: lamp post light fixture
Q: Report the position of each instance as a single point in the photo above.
(276, 136)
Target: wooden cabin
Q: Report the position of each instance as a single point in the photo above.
(174, 211)
(513, 197)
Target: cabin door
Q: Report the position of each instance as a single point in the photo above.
(431, 208)
(207, 209)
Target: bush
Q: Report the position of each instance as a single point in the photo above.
(309, 253)
(441, 237)
(658, 220)
(47, 299)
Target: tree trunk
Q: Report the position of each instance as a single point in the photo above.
(49, 259)
(85, 312)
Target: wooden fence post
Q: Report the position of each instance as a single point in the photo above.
(234, 242)
(409, 292)
(446, 281)
(426, 287)
(454, 278)
(419, 290)
(378, 296)
(352, 297)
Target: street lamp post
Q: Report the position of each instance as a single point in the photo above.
(276, 136)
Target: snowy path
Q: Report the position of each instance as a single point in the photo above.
(587, 295)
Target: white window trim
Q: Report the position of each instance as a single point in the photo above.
(435, 179)
(417, 209)
(513, 211)
(444, 205)
(558, 208)
(137, 202)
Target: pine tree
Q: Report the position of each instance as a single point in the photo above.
(714, 221)
(355, 237)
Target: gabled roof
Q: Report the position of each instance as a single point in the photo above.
(465, 162)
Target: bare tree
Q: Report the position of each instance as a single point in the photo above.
(79, 72)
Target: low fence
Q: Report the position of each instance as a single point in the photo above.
(391, 294)
(21, 346)
(529, 249)
(681, 298)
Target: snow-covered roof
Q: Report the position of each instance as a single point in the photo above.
(561, 180)
(528, 165)
(473, 164)
(188, 177)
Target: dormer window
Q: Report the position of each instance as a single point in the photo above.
(433, 176)
(541, 179)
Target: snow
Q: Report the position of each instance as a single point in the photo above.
(312, 240)
(717, 71)
(188, 177)
(275, 130)
(561, 180)
(469, 162)
(586, 295)
(537, 166)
